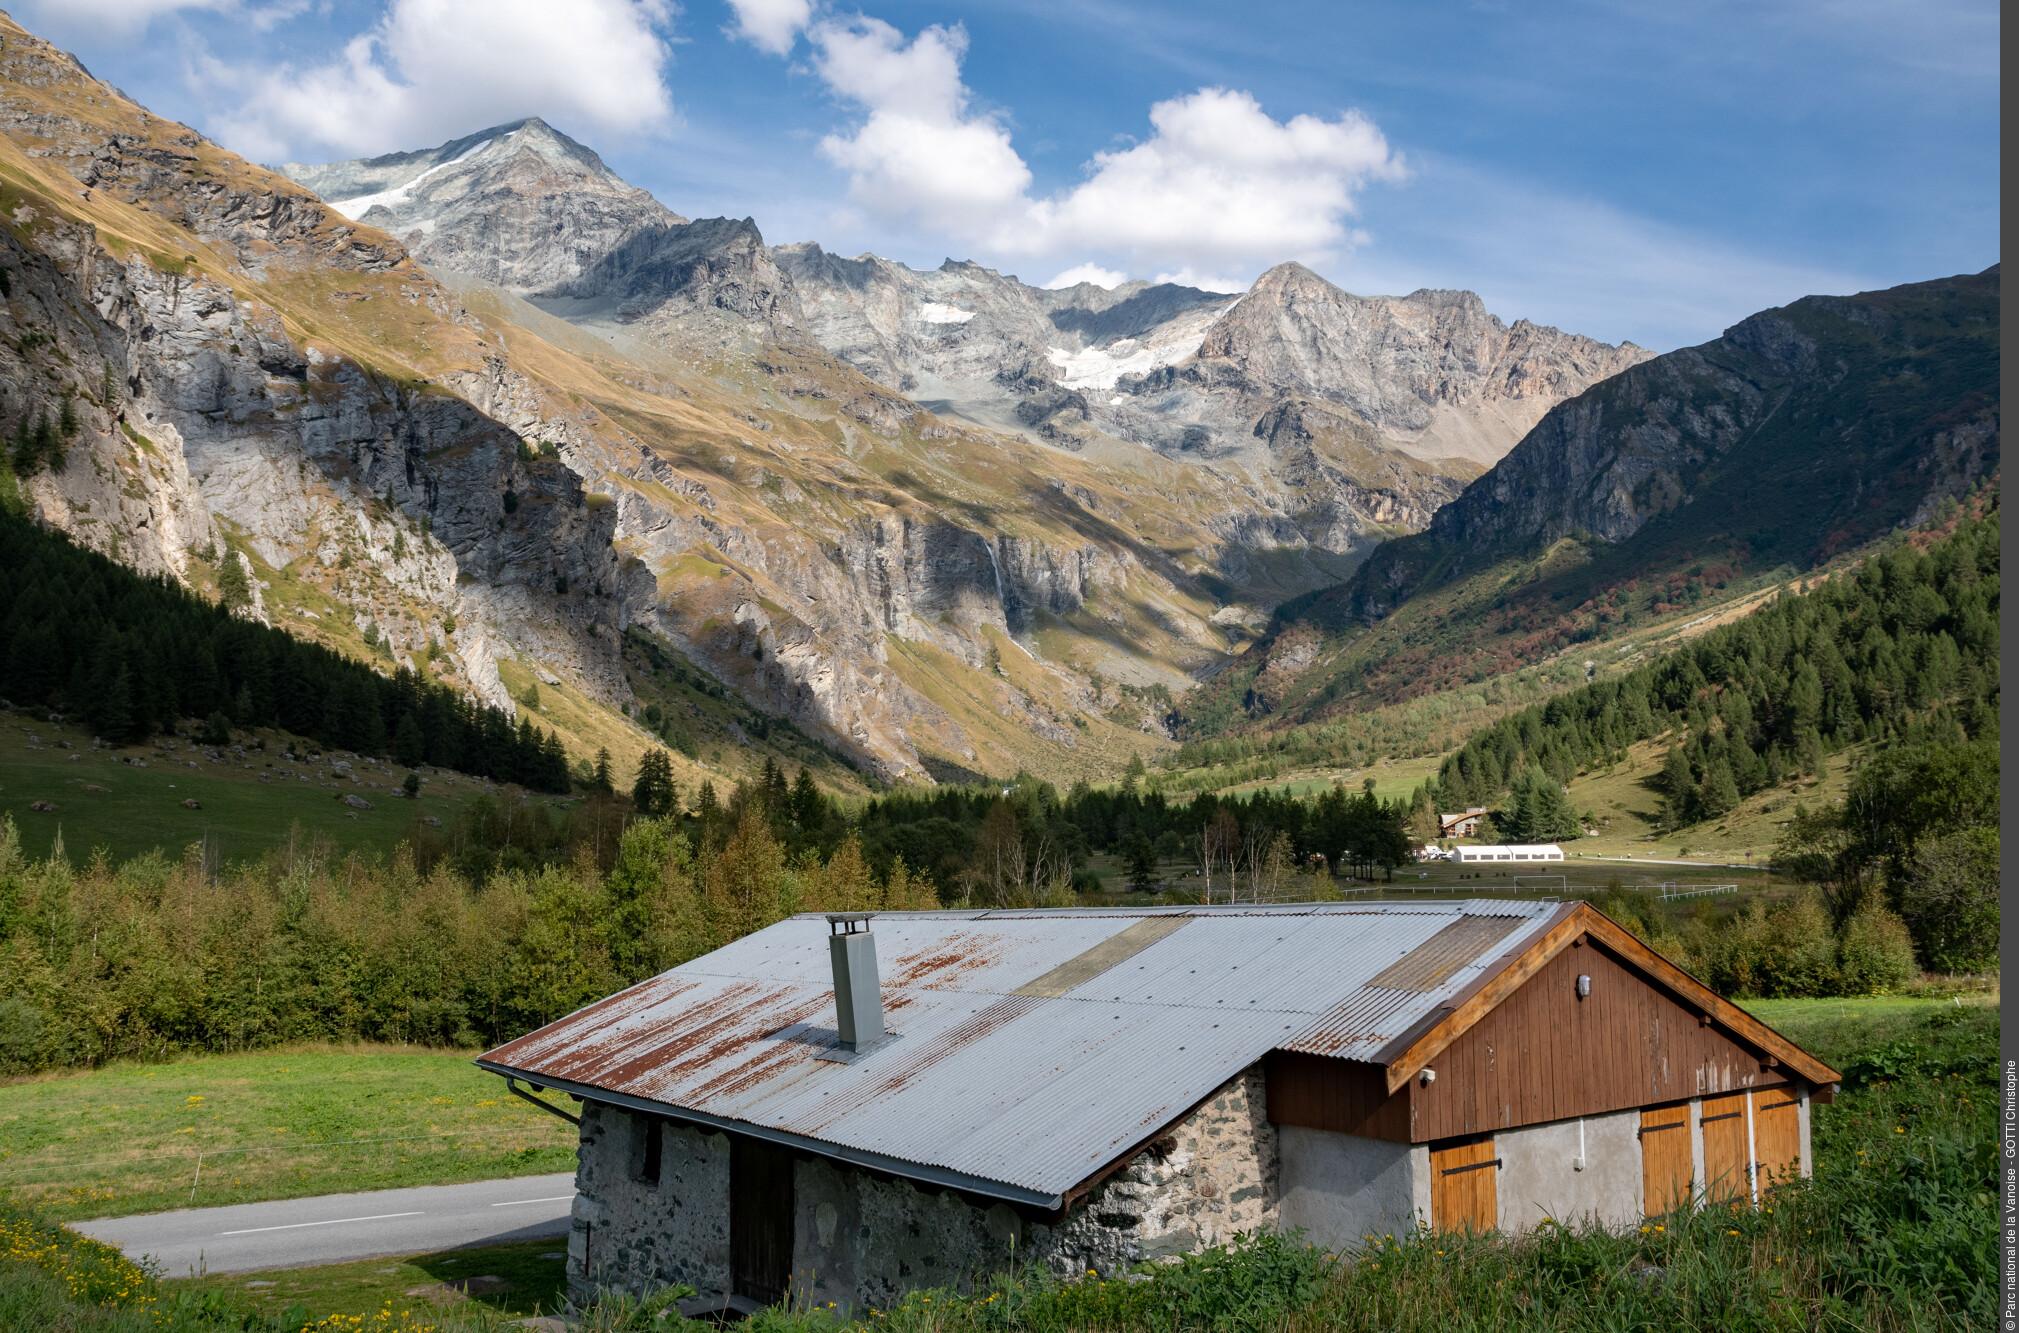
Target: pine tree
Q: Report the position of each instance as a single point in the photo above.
(706, 808)
(1719, 792)
(653, 792)
(232, 585)
(26, 452)
(48, 445)
(1140, 856)
(408, 747)
(111, 711)
(601, 782)
(809, 807)
(66, 421)
(217, 731)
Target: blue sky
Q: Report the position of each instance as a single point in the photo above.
(1625, 170)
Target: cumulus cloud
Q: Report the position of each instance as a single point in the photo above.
(770, 25)
(431, 70)
(923, 151)
(1219, 189)
(1220, 184)
(1094, 273)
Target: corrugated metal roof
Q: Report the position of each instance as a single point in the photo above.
(1033, 1091)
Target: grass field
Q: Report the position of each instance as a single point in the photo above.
(126, 1138)
(528, 1277)
(136, 810)
(1867, 1012)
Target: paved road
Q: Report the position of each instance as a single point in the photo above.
(333, 1228)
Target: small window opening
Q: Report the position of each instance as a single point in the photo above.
(648, 1150)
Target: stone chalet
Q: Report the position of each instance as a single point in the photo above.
(845, 1109)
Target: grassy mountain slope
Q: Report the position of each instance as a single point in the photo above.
(1702, 476)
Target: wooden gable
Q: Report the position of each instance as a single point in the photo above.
(1523, 1048)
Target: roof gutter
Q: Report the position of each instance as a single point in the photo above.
(944, 1177)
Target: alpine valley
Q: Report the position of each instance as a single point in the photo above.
(487, 412)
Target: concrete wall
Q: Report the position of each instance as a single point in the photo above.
(1539, 1175)
(1342, 1189)
(1802, 1114)
(637, 1237)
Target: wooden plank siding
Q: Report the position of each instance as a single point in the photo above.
(1579, 924)
(1667, 1159)
(1544, 1054)
(1540, 1055)
(1777, 1136)
(1344, 1096)
(1725, 1142)
(1464, 1187)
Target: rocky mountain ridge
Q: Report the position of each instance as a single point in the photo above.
(448, 478)
(1800, 435)
(1347, 419)
(520, 205)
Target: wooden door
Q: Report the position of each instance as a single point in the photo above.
(1777, 1136)
(1667, 1166)
(1462, 1193)
(760, 1219)
(1725, 1156)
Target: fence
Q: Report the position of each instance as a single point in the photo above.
(1671, 891)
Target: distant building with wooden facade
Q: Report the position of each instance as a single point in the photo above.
(846, 1110)
(1461, 826)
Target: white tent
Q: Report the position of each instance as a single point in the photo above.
(1511, 855)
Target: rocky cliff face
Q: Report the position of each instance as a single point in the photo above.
(519, 205)
(1359, 415)
(1801, 432)
(915, 513)
(499, 494)
(1433, 372)
(1331, 421)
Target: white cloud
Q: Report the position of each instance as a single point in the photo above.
(1101, 277)
(922, 151)
(1221, 184)
(771, 25)
(431, 70)
(1219, 188)
(1205, 282)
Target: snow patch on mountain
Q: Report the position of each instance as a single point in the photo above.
(357, 207)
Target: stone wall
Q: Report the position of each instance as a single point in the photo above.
(863, 1239)
(631, 1235)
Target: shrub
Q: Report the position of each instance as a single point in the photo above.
(1950, 901)
(1875, 953)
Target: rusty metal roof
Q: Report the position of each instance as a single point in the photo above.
(1033, 1048)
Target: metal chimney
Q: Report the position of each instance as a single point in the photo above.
(858, 997)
